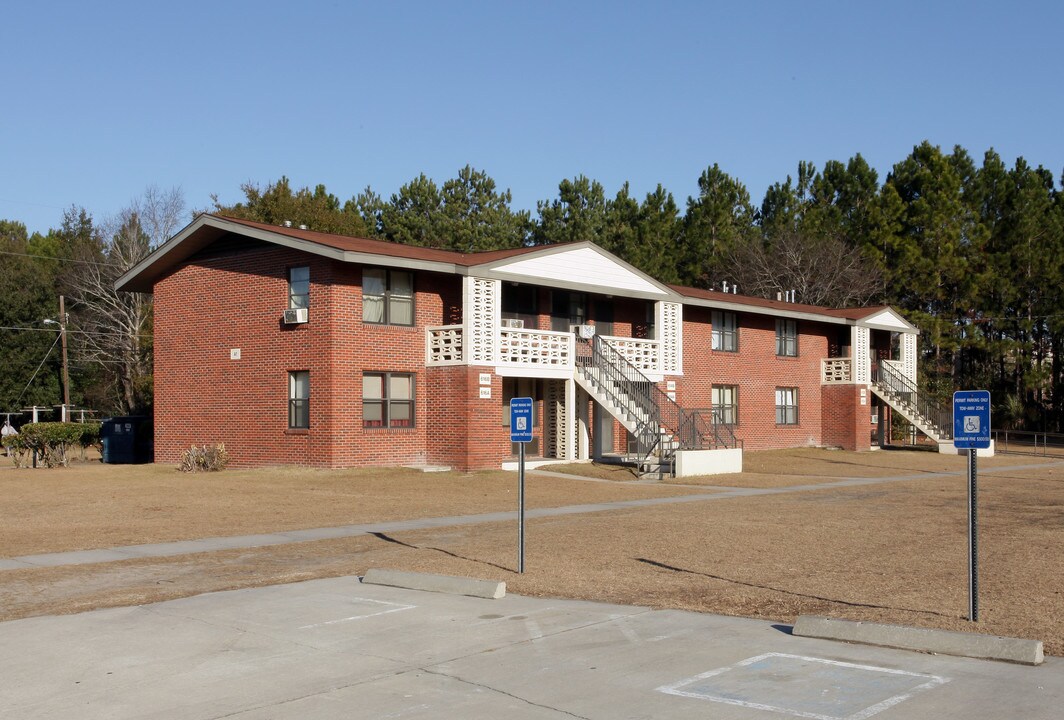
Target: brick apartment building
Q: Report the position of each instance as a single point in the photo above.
(294, 346)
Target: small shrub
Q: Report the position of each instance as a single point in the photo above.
(205, 458)
(50, 441)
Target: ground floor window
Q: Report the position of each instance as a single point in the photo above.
(726, 404)
(299, 399)
(786, 406)
(387, 400)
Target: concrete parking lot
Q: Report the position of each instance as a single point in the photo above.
(337, 648)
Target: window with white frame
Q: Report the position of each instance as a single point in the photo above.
(786, 337)
(299, 400)
(725, 331)
(299, 287)
(726, 404)
(387, 296)
(786, 406)
(387, 400)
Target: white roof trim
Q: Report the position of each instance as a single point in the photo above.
(581, 266)
(888, 319)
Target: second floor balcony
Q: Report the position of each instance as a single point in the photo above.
(520, 347)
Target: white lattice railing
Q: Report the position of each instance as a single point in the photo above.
(836, 370)
(643, 354)
(897, 366)
(539, 348)
(444, 345)
(535, 348)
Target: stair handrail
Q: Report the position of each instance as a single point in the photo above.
(659, 409)
(709, 423)
(938, 414)
(616, 375)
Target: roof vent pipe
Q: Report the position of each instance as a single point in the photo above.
(303, 227)
(779, 297)
(725, 286)
(287, 223)
(734, 289)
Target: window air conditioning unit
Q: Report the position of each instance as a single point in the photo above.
(294, 316)
(585, 332)
(513, 323)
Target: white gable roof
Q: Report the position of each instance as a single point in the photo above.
(888, 319)
(578, 266)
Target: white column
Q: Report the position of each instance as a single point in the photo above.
(569, 422)
(668, 318)
(860, 338)
(908, 355)
(481, 316)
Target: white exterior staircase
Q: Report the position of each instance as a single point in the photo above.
(930, 417)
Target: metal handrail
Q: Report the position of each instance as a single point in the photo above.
(625, 385)
(938, 414)
(658, 416)
(713, 432)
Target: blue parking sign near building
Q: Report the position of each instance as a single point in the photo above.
(971, 419)
(521, 420)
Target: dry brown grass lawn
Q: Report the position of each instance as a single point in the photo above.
(891, 552)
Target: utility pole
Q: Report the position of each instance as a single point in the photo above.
(66, 371)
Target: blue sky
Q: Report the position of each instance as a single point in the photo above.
(104, 99)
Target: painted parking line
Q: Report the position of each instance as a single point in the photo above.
(806, 687)
(395, 607)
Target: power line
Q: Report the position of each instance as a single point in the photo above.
(69, 330)
(34, 376)
(50, 257)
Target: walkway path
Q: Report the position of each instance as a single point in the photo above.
(183, 547)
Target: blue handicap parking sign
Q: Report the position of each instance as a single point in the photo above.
(971, 419)
(521, 420)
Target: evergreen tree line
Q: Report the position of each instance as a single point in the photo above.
(969, 252)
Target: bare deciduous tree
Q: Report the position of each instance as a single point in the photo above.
(116, 327)
(821, 269)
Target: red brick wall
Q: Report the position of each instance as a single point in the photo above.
(847, 423)
(235, 301)
(757, 371)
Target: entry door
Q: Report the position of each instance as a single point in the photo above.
(603, 444)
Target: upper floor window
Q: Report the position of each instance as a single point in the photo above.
(387, 296)
(299, 287)
(567, 309)
(725, 331)
(299, 399)
(387, 400)
(786, 337)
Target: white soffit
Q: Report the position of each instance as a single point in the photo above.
(579, 266)
(888, 319)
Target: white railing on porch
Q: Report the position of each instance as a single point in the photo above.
(898, 367)
(836, 370)
(539, 348)
(444, 345)
(530, 348)
(643, 354)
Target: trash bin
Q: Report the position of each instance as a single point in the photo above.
(128, 439)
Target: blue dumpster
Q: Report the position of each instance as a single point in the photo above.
(127, 439)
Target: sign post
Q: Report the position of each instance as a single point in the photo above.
(971, 432)
(521, 433)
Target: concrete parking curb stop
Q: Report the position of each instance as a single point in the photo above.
(436, 583)
(943, 642)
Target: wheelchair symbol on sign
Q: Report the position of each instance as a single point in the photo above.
(522, 423)
(971, 423)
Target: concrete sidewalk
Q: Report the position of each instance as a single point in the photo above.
(168, 549)
(337, 648)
